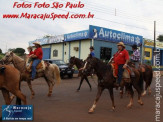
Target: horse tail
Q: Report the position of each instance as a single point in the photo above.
(57, 74)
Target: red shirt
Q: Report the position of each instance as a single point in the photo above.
(121, 57)
(31, 53)
(39, 53)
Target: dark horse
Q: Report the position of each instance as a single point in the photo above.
(106, 80)
(147, 74)
(79, 64)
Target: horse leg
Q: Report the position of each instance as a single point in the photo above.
(88, 83)
(30, 87)
(50, 84)
(145, 91)
(136, 86)
(81, 81)
(149, 90)
(112, 98)
(131, 92)
(100, 90)
(121, 88)
(19, 94)
(6, 96)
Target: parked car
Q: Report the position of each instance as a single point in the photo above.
(64, 69)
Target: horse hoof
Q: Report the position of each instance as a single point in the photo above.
(140, 102)
(90, 111)
(129, 106)
(49, 95)
(77, 90)
(113, 108)
(32, 96)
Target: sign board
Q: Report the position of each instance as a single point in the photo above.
(77, 35)
(48, 40)
(148, 42)
(106, 34)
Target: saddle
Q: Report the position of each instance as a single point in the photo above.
(39, 68)
(126, 74)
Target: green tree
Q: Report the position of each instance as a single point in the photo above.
(160, 38)
(0, 51)
(19, 51)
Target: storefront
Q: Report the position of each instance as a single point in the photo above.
(77, 44)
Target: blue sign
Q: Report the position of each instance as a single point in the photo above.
(76, 36)
(17, 112)
(101, 33)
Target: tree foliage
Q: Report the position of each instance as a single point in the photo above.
(160, 38)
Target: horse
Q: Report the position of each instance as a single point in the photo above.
(106, 80)
(147, 74)
(79, 64)
(20, 64)
(10, 82)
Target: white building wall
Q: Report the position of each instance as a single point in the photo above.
(58, 47)
(74, 52)
(85, 45)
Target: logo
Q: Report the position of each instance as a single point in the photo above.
(17, 112)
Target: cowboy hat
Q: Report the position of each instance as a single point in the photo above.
(121, 44)
(91, 48)
(38, 43)
(134, 46)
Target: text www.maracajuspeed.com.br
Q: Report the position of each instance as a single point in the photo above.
(44, 16)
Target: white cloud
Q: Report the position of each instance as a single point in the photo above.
(138, 13)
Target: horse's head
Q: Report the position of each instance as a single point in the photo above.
(8, 58)
(72, 62)
(90, 63)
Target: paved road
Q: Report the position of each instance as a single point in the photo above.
(67, 105)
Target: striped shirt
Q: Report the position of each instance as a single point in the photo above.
(136, 55)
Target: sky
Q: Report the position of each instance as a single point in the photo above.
(132, 16)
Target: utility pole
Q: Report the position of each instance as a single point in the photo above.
(115, 12)
(154, 35)
(154, 50)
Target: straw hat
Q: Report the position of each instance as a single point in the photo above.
(38, 43)
(121, 44)
(91, 48)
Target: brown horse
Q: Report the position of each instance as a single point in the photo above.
(107, 80)
(20, 64)
(79, 64)
(147, 74)
(9, 82)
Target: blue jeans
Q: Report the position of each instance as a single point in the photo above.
(120, 73)
(34, 65)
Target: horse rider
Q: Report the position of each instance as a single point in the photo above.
(36, 57)
(120, 59)
(30, 50)
(135, 57)
(92, 51)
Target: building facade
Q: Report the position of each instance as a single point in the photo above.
(77, 44)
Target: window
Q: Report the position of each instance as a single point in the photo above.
(105, 53)
(55, 53)
(147, 54)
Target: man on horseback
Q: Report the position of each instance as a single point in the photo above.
(92, 51)
(120, 59)
(37, 57)
(135, 56)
